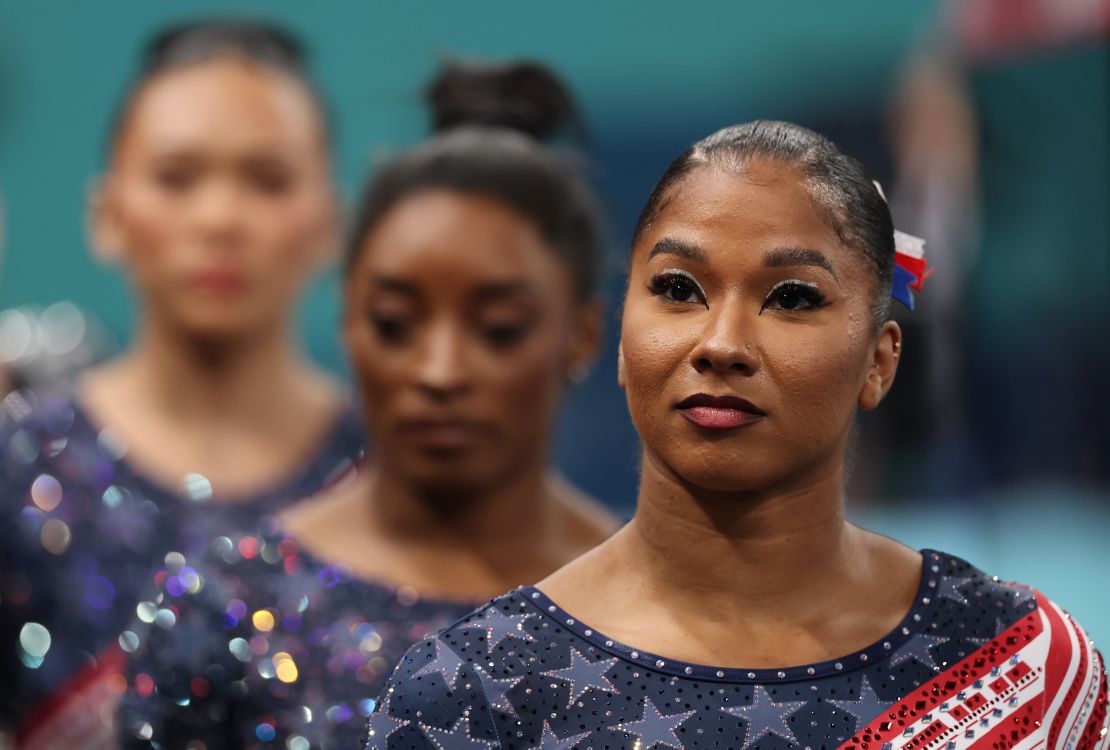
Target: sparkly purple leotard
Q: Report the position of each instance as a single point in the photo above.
(262, 645)
(976, 664)
(82, 531)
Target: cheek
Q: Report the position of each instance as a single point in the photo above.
(818, 379)
(287, 228)
(653, 351)
(525, 385)
(284, 242)
(151, 226)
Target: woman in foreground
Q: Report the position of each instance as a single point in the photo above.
(739, 609)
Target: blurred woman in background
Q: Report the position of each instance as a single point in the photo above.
(470, 302)
(217, 202)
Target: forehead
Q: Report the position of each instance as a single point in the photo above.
(222, 103)
(447, 238)
(762, 205)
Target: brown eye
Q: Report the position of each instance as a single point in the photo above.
(677, 287)
(176, 179)
(271, 181)
(506, 335)
(391, 329)
(794, 296)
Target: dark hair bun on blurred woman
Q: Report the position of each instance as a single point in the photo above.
(493, 122)
(523, 96)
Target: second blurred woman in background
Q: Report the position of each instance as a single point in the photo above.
(218, 203)
(470, 303)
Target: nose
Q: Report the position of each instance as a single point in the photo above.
(441, 368)
(218, 211)
(726, 345)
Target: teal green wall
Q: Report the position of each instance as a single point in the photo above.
(677, 70)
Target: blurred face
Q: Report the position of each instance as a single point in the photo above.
(747, 340)
(462, 326)
(218, 200)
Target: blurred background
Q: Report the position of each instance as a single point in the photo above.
(987, 122)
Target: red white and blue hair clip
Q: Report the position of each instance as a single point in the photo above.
(910, 267)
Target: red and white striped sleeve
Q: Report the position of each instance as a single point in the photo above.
(1075, 696)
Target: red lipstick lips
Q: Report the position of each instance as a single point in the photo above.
(719, 412)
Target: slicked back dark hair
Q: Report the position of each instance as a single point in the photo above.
(841, 188)
(196, 42)
(492, 119)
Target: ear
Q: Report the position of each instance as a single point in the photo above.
(585, 343)
(103, 226)
(885, 353)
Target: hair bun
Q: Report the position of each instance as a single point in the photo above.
(523, 96)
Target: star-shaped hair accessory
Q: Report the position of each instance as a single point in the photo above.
(458, 737)
(654, 728)
(446, 662)
(499, 626)
(548, 741)
(583, 674)
(764, 716)
(865, 707)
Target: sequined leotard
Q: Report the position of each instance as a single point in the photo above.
(264, 645)
(975, 664)
(83, 529)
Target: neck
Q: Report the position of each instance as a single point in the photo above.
(506, 525)
(773, 552)
(197, 379)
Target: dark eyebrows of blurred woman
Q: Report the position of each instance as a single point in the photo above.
(470, 303)
(218, 202)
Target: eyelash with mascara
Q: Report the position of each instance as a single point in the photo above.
(792, 295)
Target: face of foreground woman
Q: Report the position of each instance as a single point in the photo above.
(748, 339)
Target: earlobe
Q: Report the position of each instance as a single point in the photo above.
(587, 340)
(884, 366)
(102, 227)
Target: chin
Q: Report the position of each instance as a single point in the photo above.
(448, 477)
(216, 325)
(715, 469)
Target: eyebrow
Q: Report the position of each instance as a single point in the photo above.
(681, 248)
(797, 256)
(492, 292)
(501, 290)
(392, 284)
